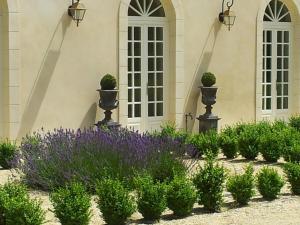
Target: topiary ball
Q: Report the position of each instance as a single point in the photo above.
(108, 82)
(208, 79)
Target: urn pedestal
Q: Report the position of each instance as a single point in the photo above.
(208, 121)
(108, 101)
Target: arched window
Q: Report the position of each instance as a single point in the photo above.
(147, 70)
(276, 60)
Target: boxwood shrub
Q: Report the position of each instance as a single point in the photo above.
(181, 196)
(292, 171)
(209, 181)
(152, 197)
(16, 207)
(294, 122)
(242, 186)
(228, 142)
(72, 204)
(269, 183)
(7, 153)
(114, 202)
(271, 146)
(248, 141)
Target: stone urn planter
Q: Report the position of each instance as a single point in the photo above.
(108, 100)
(208, 120)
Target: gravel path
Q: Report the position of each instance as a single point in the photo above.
(283, 211)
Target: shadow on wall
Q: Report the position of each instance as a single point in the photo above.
(90, 117)
(44, 76)
(191, 103)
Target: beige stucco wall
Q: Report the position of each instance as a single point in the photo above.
(61, 64)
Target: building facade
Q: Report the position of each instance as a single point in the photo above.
(158, 50)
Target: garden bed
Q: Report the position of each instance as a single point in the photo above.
(284, 210)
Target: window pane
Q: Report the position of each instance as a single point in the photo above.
(159, 49)
(159, 34)
(150, 64)
(269, 77)
(129, 64)
(137, 64)
(151, 79)
(151, 109)
(285, 103)
(268, 103)
(279, 63)
(286, 50)
(269, 63)
(286, 89)
(279, 50)
(129, 95)
(129, 111)
(159, 79)
(137, 49)
(269, 50)
(129, 33)
(285, 63)
(137, 33)
(159, 64)
(159, 109)
(151, 33)
(279, 89)
(269, 36)
(137, 110)
(137, 95)
(268, 90)
(151, 95)
(286, 37)
(129, 49)
(286, 76)
(279, 36)
(279, 103)
(129, 80)
(137, 80)
(279, 76)
(159, 94)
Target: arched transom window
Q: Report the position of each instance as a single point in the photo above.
(276, 68)
(152, 8)
(147, 70)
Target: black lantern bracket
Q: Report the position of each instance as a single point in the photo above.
(227, 17)
(77, 11)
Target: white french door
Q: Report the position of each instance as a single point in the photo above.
(147, 74)
(276, 71)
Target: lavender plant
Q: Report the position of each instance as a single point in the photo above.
(50, 160)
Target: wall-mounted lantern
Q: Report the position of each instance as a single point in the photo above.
(227, 17)
(77, 11)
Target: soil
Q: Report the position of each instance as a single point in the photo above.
(283, 211)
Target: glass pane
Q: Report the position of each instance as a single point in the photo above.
(151, 33)
(137, 65)
(279, 63)
(159, 49)
(263, 104)
(279, 76)
(286, 50)
(159, 109)
(129, 80)
(151, 79)
(129, 49)
(269, 36)
(137, 80)
(129, 33)
(129, 64)
(151, 49)
(159, 34)
(137, 49)
(159, 79)
(279, 103)
(151, 94)
(279, 89)
(269, 77)
(151, 64)
(129, 95)
(286, 89)
(137, 33)
(286, 37)
(269, 63)
(285, 103)
(137, 110)
(268, 103)
(151, 109)
(286, 76)
(279, 50)
(159, 64)
(286, 63)
(129, 111)
(279, 36)
(263, 90)
(268, 90)
(159, 94)
(137, 95)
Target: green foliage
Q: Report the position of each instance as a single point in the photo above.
(228, 142)
(209, 181)
(292, 171)
(7, 152)
(292, 154)
(294, 122)
(242, 186)
(152, 197)
(271, 146)
(17, 208)
(181, 196)
(166, 167)
(208, 79)
(72, 204)
(248, 141)
(108, 82)
(205, 143)
(269, 183)
(114, 202)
